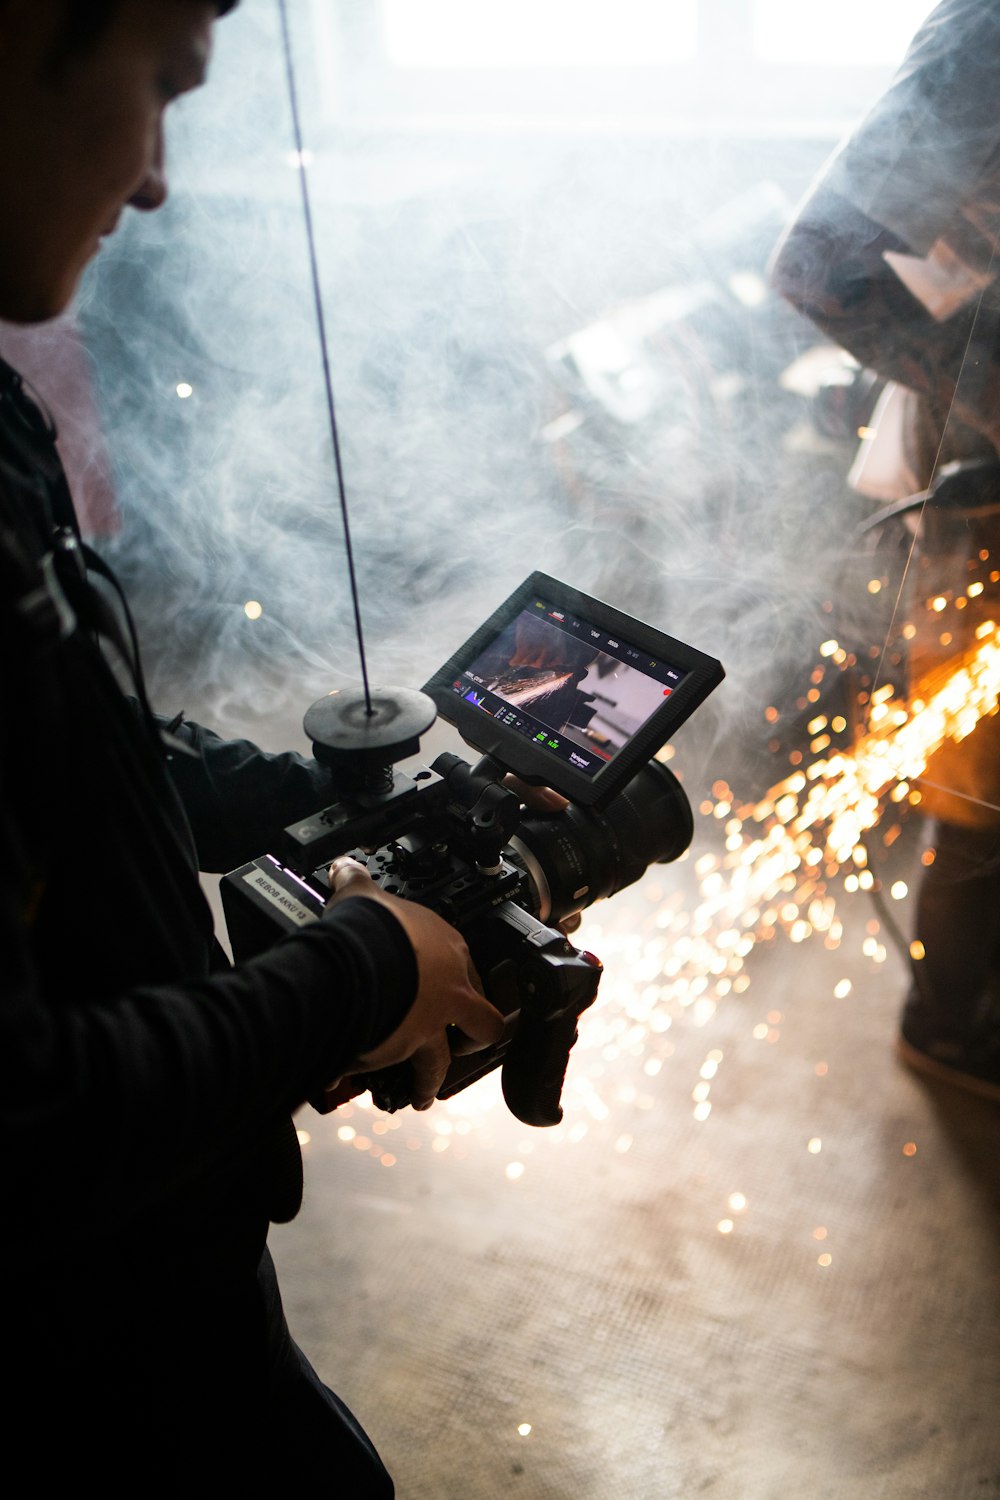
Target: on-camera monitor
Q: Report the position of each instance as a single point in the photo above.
(563, 689)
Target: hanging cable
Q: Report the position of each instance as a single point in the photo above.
(324, 343)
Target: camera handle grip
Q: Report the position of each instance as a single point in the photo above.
(534, 1069)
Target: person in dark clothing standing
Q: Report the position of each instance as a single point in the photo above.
(146, 1086)
(894, 255)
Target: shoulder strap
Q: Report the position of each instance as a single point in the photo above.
(56, 591)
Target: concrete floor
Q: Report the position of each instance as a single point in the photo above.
(829, 1331)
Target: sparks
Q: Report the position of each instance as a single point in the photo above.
(784, 863)
(810, 828)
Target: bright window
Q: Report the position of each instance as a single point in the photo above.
(538, 33)
(859, 33)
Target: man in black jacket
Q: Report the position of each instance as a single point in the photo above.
(146, 1087)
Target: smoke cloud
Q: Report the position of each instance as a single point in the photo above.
(552, 345)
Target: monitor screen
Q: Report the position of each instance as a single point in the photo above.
(569, 692)
(576, 690)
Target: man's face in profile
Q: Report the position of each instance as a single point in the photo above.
(81, 134)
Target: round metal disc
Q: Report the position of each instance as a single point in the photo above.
(340, 722)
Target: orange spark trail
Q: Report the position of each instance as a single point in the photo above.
(782, 852)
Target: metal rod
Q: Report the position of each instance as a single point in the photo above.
(324, 345)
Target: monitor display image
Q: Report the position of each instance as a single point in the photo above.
(576, 690)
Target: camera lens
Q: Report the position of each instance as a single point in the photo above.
(579, 856)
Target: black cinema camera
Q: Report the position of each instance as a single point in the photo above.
(561, 690)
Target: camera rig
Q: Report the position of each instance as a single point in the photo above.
(562, 690)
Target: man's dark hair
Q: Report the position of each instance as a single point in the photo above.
(86, 19)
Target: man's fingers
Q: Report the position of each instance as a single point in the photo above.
(480, 1023)
(539, 798)
(461, 1041)
(336, 1094)
(345, 874)
(449, 1006)
(429, 1063)
(462, 1044)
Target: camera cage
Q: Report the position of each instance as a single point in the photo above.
(686, 675)
(453, 836)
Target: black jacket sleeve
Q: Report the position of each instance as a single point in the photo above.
(109, 1100)
(238, 797)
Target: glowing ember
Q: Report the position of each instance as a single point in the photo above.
(809, 830)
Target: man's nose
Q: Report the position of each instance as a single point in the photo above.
(152, 191)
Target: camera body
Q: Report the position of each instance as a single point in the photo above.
(440, 836)
(552, 688)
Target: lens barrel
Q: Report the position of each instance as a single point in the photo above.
(579, 856)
